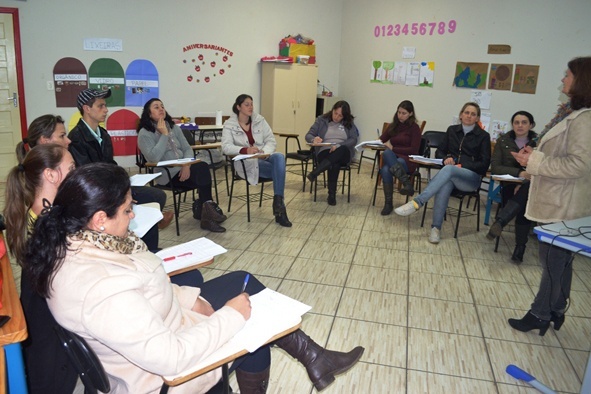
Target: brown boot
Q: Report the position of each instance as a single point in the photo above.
(210, 218)
(253, 383)
(321, 364)
(167, 217)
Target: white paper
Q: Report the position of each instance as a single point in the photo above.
(143, 179)
(361, 145)
(272, 313)
(507, 177)
(177, 161)
(218, 118)
(145, 218)
(482, 98)
(408, 52)
(249, 156)
(198, 250)
(426, 160)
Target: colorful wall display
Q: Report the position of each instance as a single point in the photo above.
(121, 126)
(105, 74)
(526, 78)
(501, 76)
(206, 62)
(402, 73)
(470, 75)
(141, 82)
(69, 79)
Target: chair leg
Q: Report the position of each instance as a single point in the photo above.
(349, 186)
(375, 190)
(177, 208)
(261, 196)
(424, 213)
(477, 203)
(247, 201)
(231, 194)
(215, 185)
(458, 219)
(315, 188)
(360, 160)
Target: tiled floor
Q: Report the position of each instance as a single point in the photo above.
(432, 318)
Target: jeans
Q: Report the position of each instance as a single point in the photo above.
(557, 274)
(274, 167)
(441, 186)
(389, 159)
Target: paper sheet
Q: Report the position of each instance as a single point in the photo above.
(272, 313)
(426, 160)
(145, 218)
(178, 161)
(362, 145)
(507, 177)
(143, 179)
(196, 251)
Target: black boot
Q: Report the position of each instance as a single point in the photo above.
(280, 212)
(530, 322)
(509, 211)
(332, 193)
(198, 208)
(253, 382)
(320, 168)
(400, 173)
(321, 364)
(210, 218)
(558, 320)
(521, 234)
(388, 191)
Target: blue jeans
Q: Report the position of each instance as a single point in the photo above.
(389, 159)
(441, 186)
(274, 167)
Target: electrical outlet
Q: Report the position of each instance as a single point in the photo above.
(49, 85)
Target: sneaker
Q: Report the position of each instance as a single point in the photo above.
(435, 235)
(407, 209)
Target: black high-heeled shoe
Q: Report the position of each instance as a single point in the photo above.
(530, 322)
(557, 320)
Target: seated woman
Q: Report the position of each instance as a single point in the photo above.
(29, 186)
(337, 128)
(46, 129)
(247, 132)
(402, 138)
(465, 151)
(102, 283)
(514, 195)
(160, 139)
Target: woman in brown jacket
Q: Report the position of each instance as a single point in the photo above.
(559, 190)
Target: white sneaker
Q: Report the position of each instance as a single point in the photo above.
(435, 235)
(406, 209)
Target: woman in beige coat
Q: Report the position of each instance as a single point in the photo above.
(102, 283)
(560, 187)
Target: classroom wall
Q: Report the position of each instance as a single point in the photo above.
(544, 32)
(158, 31)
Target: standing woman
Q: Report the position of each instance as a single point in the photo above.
(247, 132)
(159, 139)
(337, 128)
(30, 187)
(560, 186)
(514, 195)
(402, 137)
(465, 151)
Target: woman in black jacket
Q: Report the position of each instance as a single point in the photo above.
(465, 151)
(514, 195)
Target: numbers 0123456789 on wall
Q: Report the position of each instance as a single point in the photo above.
(416, 28)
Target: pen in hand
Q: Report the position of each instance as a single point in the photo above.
(246, 278)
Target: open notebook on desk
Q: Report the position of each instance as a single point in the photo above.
(188, 254)
(145, 218)
(426, 160)
(272, 313)
(374, 143)
(143, 179)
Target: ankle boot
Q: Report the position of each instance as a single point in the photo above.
(280, 212)
(400, 173)
(332, 193)
(210, 218)
(321, 364)
(509, 211)
(253, 382)
(198, 208)
(557, 320)
(388, 191)
(320, 168)
(530, 322)
(521, 234)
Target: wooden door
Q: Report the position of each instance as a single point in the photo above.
(10, 111)
(306, 90)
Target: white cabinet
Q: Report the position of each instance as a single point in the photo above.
(288, 97)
